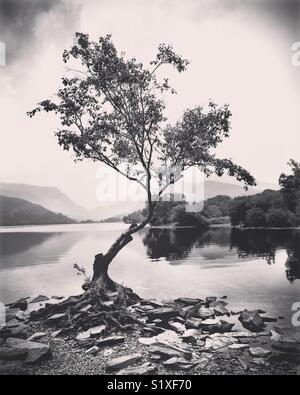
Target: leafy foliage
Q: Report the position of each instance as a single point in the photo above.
(216, 207)
(270, 208)
(112, 110)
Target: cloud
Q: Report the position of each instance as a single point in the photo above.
(21, 24)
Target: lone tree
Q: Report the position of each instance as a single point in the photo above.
(112, 111)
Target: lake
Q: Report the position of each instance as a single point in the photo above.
(254, 268)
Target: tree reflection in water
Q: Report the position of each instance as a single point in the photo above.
(175, 245)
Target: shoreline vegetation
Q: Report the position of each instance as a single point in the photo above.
(121, 333)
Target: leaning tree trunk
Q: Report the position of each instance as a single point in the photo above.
(102, 261)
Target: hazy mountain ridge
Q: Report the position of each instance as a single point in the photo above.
(51, 198)
(15, 211)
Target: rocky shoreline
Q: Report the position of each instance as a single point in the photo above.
(130, 335)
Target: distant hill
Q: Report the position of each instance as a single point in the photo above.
(214, 188)
(49, 197)
(53, 199)
(14, 211)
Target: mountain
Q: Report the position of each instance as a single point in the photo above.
(53, 199)
(214, 188)
(49, 197)
(14, 211)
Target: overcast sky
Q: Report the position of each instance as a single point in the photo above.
(240, 54)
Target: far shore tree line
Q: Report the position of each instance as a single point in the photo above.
(268, 209)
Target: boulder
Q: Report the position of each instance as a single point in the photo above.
(168, 351)
(259, 352)
(110, 341)
(252, 321)
(35, 351)
(123, 362)
(146, 368)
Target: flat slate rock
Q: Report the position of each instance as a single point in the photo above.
(97, 331)
(40, 298)
(56, 318)
(193, 323)
(11, 354)
(188, 301)
(123, 362)
(259, 352)
(35, 350)
(177, 326)
(146, 368)
(12, 369)
(93, 350)
(214, 326)
(110, 341)
(83, 337)
(218, 342)
(168, 351)
(238, 346)
(21, 304)
(163, 313)
(37, 336)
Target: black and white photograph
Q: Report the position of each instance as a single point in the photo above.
(149, 190)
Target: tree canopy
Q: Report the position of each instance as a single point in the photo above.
(112, 110)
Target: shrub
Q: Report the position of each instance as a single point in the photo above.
(184, 218)
(278, 217)
(255, 217)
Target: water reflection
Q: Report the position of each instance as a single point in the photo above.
(175, 245)
(28, 249)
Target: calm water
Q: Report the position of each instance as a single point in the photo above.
(255, 269)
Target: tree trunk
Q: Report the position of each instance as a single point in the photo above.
(101, 262)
